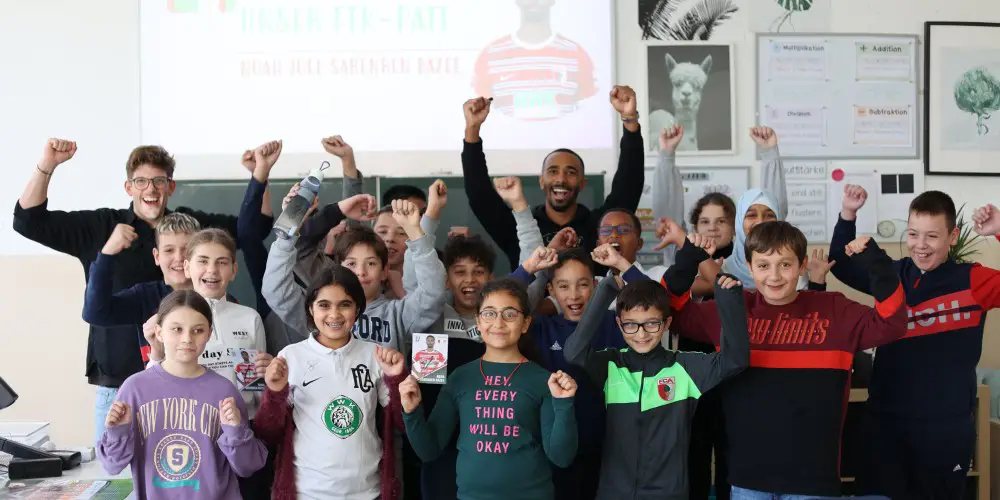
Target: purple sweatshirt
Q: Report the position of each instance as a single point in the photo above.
(176, 444)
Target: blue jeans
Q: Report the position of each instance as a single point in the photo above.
(105, 398)
(745, 494)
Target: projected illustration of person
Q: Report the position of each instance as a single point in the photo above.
(534, 73)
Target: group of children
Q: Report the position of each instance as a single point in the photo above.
(563, 379)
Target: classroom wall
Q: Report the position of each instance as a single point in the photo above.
(92, 44)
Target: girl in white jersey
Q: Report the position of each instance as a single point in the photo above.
(320, 402)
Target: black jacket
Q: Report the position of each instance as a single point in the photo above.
(651, 398)
(112, 353)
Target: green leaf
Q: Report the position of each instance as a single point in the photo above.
(964, 249)
(796, 5)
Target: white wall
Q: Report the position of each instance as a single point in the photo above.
(70, 70)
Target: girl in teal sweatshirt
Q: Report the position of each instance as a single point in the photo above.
(514, 417)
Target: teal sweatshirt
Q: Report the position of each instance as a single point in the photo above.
(510, 428)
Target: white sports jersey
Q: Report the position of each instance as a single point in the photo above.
(334, 394)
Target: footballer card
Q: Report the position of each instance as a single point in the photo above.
(245, 363)
(430, 358)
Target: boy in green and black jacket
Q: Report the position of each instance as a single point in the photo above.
(651, 393)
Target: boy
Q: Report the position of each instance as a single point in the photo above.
(784, 415)
(919, 430)
(651, 393)
(469, 261)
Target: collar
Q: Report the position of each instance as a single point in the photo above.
(318, 348)
(214, 302)
(532, 46)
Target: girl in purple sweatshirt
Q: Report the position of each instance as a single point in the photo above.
(183, 429)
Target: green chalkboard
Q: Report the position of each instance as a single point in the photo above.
(225, 197)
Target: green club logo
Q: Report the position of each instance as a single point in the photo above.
(343, 417)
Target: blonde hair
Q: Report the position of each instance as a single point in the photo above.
(176, 223)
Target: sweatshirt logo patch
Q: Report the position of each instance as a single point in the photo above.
(555, 346)
(665, 388)
(176, 458)
(241, 333)
(343, 417)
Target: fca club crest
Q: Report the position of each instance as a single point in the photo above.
(665, 387)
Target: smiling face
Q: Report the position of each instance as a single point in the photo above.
(638, 320)
(149, 201)
(169, 255)
(184, 333)
(466, 278)
(776, 275)
(619, 229)
(571, 285)
(928, 239)
(333, 313)
(714, 222)
(756, 214)
(210, 267)
(562, 180)
(366, 264)
(502, 334)
(394, 237)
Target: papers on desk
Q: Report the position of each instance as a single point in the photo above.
(68, 489)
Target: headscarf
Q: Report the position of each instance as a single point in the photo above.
(737, 263)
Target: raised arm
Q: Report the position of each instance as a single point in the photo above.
(708, 370)
(116, 449)
(259, 162)
(847, 270)
(103, 307)
(437, 199)
(244, 452)
(273, 416)
(484, 201)
(668, 188)
(694, 320)
(428, 436)
(885, 322)
(626, 187)
(529, 236)
(772, 173)
(422, 307)
(579, 348)
(559, 436)
(283, 295)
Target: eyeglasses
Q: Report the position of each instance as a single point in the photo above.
(143, 182)
(622, 230)
(509, 314)
(651, 326)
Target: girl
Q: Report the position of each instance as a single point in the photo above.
(321, 397)
(183, 429)
(512, 415)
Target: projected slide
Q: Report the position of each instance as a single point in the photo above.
(218, 75)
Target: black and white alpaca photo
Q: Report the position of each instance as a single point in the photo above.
(683, 19)
(691, 84)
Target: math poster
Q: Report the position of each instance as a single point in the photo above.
(430, 358)
(245, 363)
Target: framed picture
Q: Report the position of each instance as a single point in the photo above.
(962, 98)
(691, 84)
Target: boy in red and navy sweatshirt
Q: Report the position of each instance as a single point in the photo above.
(919, 431)
(784, 414)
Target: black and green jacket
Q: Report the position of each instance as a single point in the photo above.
(651, 398)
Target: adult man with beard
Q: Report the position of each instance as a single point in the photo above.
(561, 180)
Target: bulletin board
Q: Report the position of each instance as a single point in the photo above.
(839, 96)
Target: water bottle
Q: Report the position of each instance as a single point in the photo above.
(291, 218)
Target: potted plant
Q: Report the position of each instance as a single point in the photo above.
(965, 248)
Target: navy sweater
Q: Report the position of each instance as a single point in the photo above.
(931, 372)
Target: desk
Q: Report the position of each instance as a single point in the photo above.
(87, 471)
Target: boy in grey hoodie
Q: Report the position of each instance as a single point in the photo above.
(385, 321)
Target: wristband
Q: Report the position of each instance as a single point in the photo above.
(42, 171)
(630, 118)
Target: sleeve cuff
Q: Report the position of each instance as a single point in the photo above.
(284, 245)
(769, 154)
(668, 155)
(522, 275)
(562, 404)
(633, 274)
(523, 216)
(119, 432)
(420, 245)
(472, 147)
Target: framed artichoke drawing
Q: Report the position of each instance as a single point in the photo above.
(962, 98)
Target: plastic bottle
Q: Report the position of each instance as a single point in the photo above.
(290, 220)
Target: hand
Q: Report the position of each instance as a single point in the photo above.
(710, 268)
(149, 332)
(263, 361)
(292, 193)
(390, 360)
(562, 385)
(706, 243)
(407, 215)
(818, 266)
(623, 100)
(476, 111)
(854, 198)
(409, 394)
(857, 246)
(229, 413)
(121, 238)
(541, 258)
(457, 231)
(764, 136)
(437, 198)
(726, 282)
(55, 153)
(670, 233)
(607, 256)
(394, 281)
(276, 375)
(565, 239)
(670, 137)
(510, 190)
(360, 207)
(119, 414)
(336, 146)
(986, 221)
(264, 156)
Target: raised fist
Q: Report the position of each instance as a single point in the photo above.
(670, 137)
(360, 207)
(437, 198)
(56, 152)
(407, 215)
(476, 111)
(854, 198)
(986, 221)
(229, 413)
(121, 238)
(390, 360)
(276, 376)
(119, 414)
(764, 136)
(857, 246)
(562, 385)
(607, 256)
(541, 258)
(510, 190)
(565, 239)
(669, 233)
(265, 156)
(336, 146)
(623, 100)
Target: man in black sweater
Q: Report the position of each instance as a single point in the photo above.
(561, 180)
(112, 353)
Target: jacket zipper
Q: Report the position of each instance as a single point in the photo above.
(638, 461)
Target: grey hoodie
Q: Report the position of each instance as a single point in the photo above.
(386, 322)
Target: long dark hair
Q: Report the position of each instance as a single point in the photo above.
(339, 276)
(526, 343)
